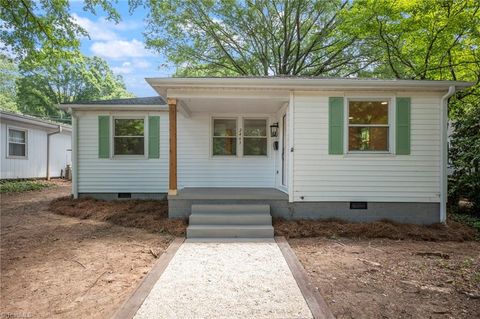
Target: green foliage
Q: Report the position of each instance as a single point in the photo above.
(17, 186)
(42, 86)
(469, 220)
(8, 75)
(28, 26)
(421, 39)
(464, 155)
(227, 38)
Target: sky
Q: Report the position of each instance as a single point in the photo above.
(122, 46)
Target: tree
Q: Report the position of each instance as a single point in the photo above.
(29, 26)
(264, 37)
(464, 155)
(8, 75)
(42, 87)
(421, 39)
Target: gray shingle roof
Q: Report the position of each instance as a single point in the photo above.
(151, 100)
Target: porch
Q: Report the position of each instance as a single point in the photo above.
(180, 205)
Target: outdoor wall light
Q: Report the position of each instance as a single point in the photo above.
(274, 129)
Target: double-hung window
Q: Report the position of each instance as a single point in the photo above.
(239, 137)
(368, 126)
(129, 136)
(17, 142)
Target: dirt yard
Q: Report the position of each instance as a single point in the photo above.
(384, 278)
(55, 266)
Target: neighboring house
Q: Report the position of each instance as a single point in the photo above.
(32, 147)
(310, 148)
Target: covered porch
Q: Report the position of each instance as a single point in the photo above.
(226, 145)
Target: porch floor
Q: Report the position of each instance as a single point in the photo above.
(230, 193)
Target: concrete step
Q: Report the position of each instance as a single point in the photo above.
(230, 209)
(230, 219)
(229, 231)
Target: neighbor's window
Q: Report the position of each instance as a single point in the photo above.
(129, 137)
(255, 137)
(17, 142)
(224, 137)
(368, 128)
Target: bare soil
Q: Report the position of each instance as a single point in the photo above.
(384, 278)
(452, 231)
(55, 266)
(151, 215)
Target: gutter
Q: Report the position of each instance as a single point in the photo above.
(444, 153)
(60, 130)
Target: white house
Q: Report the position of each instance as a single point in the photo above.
(32, 147)
(356, 149)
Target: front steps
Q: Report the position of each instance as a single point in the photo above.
(230, 221)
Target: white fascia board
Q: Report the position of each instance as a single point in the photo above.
(162, 84)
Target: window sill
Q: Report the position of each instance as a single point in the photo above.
(17, 157)
(369, 154)
(129, 157)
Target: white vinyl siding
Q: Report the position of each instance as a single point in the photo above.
(319, 176)
(198, 168)
(117, 175)
(34, 165)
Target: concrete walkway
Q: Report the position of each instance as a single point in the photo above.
(226, 280)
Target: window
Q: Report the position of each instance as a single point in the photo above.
(255, 137)
(224, 137)
(368, 126)
(129, 137)
(17, 142)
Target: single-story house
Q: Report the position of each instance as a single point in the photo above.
(357, 149)
(33, 147)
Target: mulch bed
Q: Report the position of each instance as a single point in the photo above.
(150, 215)
(452, 231)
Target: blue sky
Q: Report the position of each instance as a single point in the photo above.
(122, 46)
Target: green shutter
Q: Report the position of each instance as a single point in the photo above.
(335, 125)
(403, 126)
(153, 136)
(104, 136)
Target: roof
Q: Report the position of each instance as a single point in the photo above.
(301, 83)
(32, 120)
(151, 103)
(150, 100)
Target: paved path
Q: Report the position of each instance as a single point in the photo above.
(226, 280)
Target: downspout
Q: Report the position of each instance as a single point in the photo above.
(60, 129)
(444, 153)
(74, 154)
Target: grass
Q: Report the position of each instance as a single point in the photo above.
(19, 186)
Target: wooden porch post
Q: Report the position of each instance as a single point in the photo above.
(172, 112)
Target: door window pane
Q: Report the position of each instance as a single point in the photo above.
(129, 137)
(255, 146)
(368, 112)
(255, 127)
(368, 138)
(225, 127)
(224, 146)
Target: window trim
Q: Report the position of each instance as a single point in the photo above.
(391, 121)
(240, 123)
(16, 128)
(145, 136)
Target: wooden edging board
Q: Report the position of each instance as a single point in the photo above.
(136, 299)
(314, 299)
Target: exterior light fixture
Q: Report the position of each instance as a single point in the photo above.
(274, 129)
